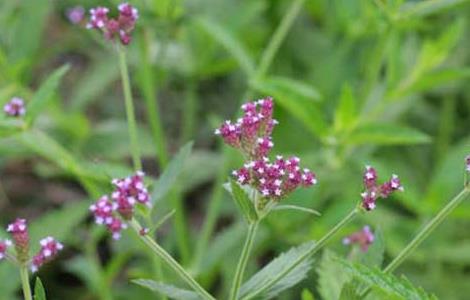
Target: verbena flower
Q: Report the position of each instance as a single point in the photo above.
(49, 249)
(15, 107)
(364, 238)
(373, 191)
(75, 14)
(20, 236)
(128, 192)
(114, 28)
(467, 163)
(4, 245)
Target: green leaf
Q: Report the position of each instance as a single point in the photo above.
(331, 276)
(44, 94)
(301, 106)
(307, 295)
(10, 126)
(266, 283)
(346, 110)
(39, 292)
(424, 8)
(167, 290)
(229, 41)
(388, 283)
(243, 201)
(297, 208)
(173, 170)
(386, 134)
(349, 292)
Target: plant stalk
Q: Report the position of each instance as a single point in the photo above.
(131, 123)
(314, 249)
(237, 280)
(169, 260)
(25, 282)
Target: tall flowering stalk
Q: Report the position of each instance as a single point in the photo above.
(49, 248)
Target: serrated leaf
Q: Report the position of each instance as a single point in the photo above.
(167, 290)
(348, 292)
(331, 276)
(44, 94)
(39, 292)
(387, 134)
(229, 41)
(345, 113)
(243, 201)
(375, 278)
(267, 284)
(171, 173)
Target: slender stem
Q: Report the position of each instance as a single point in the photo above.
(237, 280)
(308, 253)
(426, 231)
(278, 37)
(132, 125)
(173, 264)
(25, 282)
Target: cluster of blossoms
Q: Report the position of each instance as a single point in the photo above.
(19, 233)
(251, 134)
(128, 192)
(364, 238)
(467, 163)
(75, 14)
(15, 107)
(373, 191)
(120, 27)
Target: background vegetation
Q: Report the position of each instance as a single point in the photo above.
(355, 82)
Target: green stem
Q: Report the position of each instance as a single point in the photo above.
(132, 125)
(173, 264)
(426, 231)
(189, 111)
(25, 282)
(237, 280)
(311, 251)
(277, 38)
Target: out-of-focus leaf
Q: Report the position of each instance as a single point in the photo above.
(375, 253)
(9, 282)
(39, 292)
(167, 290)
(267, 284)
(386, 134)
(201, 167)
(297, 208)
(302, 108)
(231, 43)
(171, 173)
(348, 292)
(438, 78)
(331, 276)
(243, 201)
(375, 278)
(289, 86)
(10, 126)
(44, 94)
(427, 7)
(307, 295)
(346, 110)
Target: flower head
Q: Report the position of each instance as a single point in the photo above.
(20, 235)
(115, 28)
(467, 163)
(251, 134)
(373, 191)
(364, 238)
(49, 249)
(4, 245)
(75, 14)
(15, 107)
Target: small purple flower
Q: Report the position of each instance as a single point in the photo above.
(467, 163)
(20, 235)
(15, 107)
(103, 210)
(4, 245)
(49, 249)
(75, 14)
(98, 17)
(363, 238)
(373, 191)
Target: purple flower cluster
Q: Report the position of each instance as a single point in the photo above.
(252, 132)
(120, 27)
(15, 107)
(373, 191)
(75, 14)
(128, 192)
(364, 238)
(19, 232)
(275, 180)
(49, 248)
(467, 163)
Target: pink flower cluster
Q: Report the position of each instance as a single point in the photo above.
(364, 238)
(128, 192)
(75, 14)
(15, 107)
(121, 27)
(19, 232)
(467, 163)
(373, 191)
(49, 248)
(252, 132)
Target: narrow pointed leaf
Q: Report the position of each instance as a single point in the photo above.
(243, 201)
(39, 292)
(167, 290)
(297, 208)
(387, 134)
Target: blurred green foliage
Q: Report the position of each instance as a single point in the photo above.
(358, 82)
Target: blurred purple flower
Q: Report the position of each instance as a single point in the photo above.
(15, 107)
(364, 238)
(75, 14)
